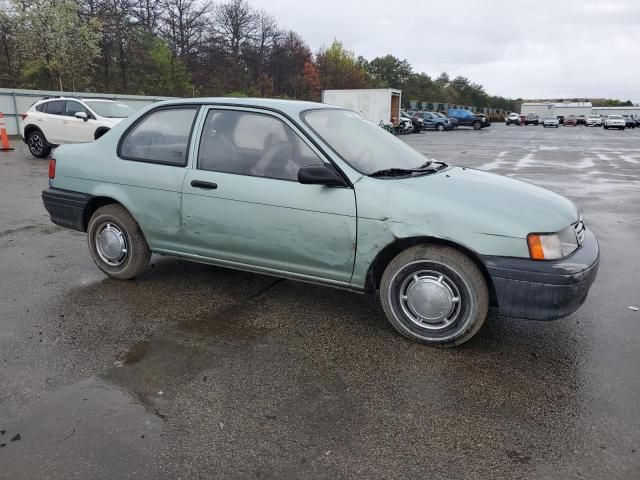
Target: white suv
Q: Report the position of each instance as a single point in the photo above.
(615, 121)
(594, 121)
(59, 120)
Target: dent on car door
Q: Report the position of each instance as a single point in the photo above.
(242, 202)
(153, 156)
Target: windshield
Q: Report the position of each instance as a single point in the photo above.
(617, 117)
(362, 144)
(441, 115)
(110, 109)
(550, 118)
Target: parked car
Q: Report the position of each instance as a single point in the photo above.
(466, 118)
(532, 119)
(452, 120)
(550, 121)
(581, 120)
(560, 119)
(405, 124)
(615, 121)
(418, 122)
(60, 120)
(594, 121)
(435, 122)
(629, 121)
(315, 193)
(512, 119)
(570, 121)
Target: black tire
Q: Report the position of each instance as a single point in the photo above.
(123, 253)
(450, 287)
(38, 145)
(477, 125)
(100, 132)
(440, 127)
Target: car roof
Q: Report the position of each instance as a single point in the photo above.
(62, 97)
(291, 107)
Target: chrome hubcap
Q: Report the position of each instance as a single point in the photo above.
(111, 244)
(35, 143)
(430, 299)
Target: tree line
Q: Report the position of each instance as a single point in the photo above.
(195, 48)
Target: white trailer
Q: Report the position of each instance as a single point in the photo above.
(374, 104)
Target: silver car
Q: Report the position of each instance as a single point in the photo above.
(550, 121)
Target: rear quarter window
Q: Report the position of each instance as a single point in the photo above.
(162, 136)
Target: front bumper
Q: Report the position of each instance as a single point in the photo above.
(66, 208)
(544, 290)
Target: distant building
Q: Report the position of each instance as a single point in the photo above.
(574, 108)
(564, 109)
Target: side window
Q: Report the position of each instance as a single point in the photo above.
(54, 108)
(72, 107)
(254, 144)
(161, 137)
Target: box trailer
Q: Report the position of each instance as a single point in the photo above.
(374, 104)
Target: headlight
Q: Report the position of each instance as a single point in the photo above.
(552, 246)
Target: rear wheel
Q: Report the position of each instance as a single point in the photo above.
(435, 295)
(38, 145)
(116, 243)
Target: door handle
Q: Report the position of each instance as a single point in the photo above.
(205, 185)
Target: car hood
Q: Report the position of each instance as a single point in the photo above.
(466, 200)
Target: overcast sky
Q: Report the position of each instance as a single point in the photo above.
(528, 49)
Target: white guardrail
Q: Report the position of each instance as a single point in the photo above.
(13, 102)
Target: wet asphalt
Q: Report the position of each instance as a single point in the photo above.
(193, 371)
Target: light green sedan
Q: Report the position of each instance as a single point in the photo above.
(314, 193)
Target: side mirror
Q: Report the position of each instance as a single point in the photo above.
(325, 175)
(81, 115)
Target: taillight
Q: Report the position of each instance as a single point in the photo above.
(24, 115)
(52, 169)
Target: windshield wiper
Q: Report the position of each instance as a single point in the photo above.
(399, 172)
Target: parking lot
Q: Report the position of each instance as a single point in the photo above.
(193, 371)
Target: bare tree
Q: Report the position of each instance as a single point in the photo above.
(235, 24)
(185, 26)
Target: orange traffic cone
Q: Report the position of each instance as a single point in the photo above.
(4, 138)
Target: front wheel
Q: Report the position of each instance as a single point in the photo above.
(477, 125)
(435, 295)
(116, 243)
(440, 127)
(38, 145)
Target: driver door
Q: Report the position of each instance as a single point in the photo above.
(243, 206)
(77, 130)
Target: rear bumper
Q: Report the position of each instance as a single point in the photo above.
(544, 290)
(66, 208)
